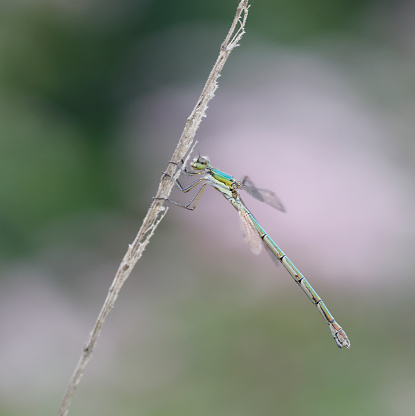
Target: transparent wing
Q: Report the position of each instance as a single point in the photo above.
(263, 195)
(251, 235)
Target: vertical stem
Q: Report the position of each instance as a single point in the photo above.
(157, 211)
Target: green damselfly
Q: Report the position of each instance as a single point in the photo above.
(254, 234)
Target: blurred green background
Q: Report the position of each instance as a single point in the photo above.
(317, 103)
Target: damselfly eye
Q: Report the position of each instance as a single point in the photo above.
(203, 160)
(200, 163)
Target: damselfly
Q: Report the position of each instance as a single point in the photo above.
(253, 233)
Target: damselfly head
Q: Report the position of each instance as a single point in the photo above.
(200, 163)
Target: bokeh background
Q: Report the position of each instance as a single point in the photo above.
(318, 104)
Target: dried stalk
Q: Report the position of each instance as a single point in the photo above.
(157, 211)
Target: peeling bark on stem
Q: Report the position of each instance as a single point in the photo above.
(157, 211)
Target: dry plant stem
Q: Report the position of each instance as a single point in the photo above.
(157, 211)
